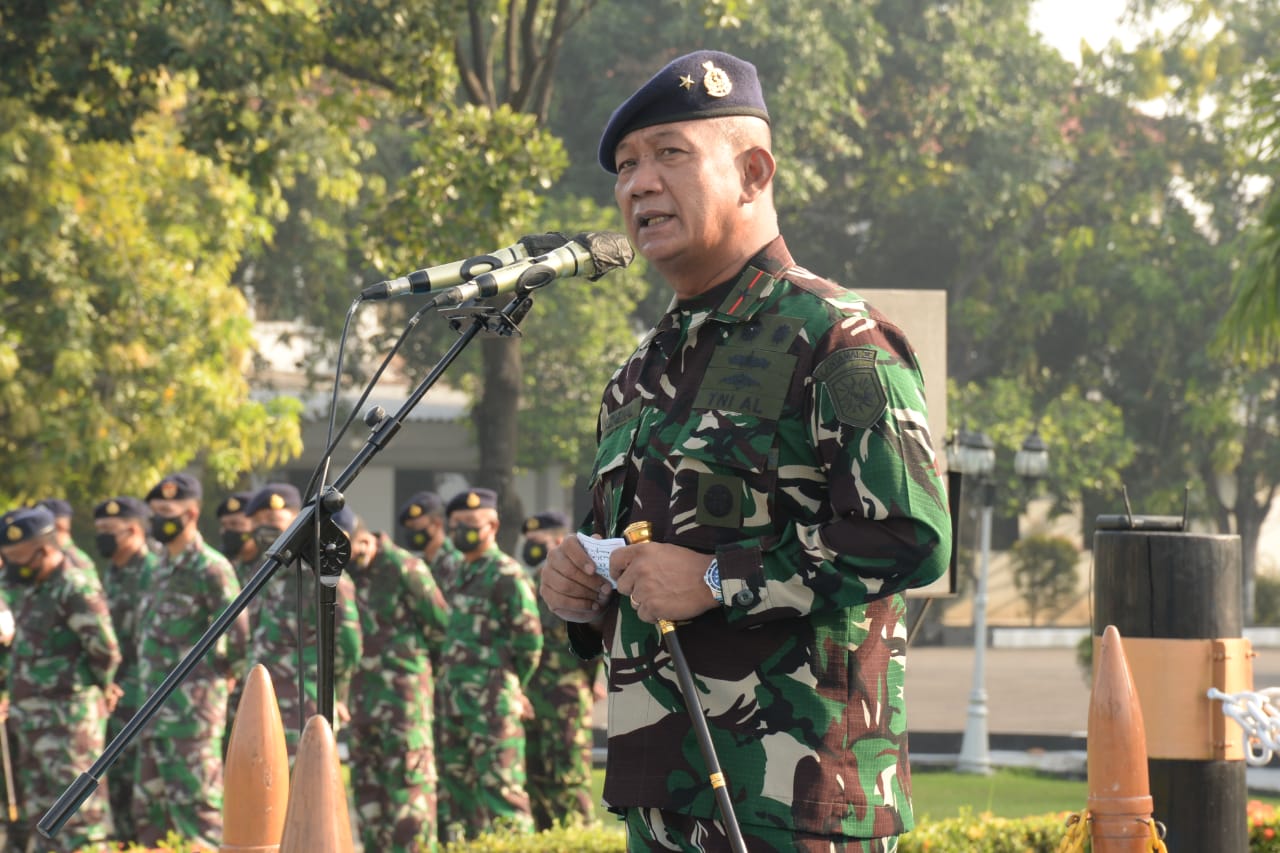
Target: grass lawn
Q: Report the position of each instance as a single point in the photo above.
(942, 794)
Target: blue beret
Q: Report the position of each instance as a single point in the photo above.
(274, 496)
(57, 506)
(423, 503)
(121, 507)
(233, 503)
(473, 499)
(346, 519)
(28, 523)
(176, 487)
(544, 521)
(702, 84)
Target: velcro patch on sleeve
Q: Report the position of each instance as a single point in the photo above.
(854, 386)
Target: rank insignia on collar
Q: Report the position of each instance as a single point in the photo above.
(716, 81)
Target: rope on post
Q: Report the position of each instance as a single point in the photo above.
(1258, 715)
(1077, 833)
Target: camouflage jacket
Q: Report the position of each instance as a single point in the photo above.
(124, 587)
(779, 423)
(185, 595)
(64, 651)
(275, 634)
(493, 641)
(402, 613)
(561, 675)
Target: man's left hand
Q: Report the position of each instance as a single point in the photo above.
(663, 581)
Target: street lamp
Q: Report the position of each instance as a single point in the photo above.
(973, 454)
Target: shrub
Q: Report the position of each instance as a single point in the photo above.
(1266, 600)
(1044, 571)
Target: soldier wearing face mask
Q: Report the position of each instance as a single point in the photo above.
(422, 520)
(235, 535)
(61, 674)
(276, 637)
(179, 784)
(393, 771)
(492, 646)
(121, 525)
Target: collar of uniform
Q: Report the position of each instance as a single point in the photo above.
(743, 299)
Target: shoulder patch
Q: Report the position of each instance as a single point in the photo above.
(854, 386)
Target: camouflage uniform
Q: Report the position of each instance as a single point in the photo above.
(64, 654)
(558, 738)
(180, 754)
(124, 587)
(393, 763)
(491, 649)
(777, 422)
(275, 643)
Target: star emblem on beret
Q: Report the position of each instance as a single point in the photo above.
(686, 82)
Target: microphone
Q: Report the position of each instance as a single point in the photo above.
(590, 254)
(448, 275)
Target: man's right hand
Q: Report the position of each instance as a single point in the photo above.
(568, 583)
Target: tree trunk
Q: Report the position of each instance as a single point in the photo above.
(496, 422)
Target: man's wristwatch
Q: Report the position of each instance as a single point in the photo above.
(712, 580)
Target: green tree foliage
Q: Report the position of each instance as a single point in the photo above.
(122, 347)
(1044, 573)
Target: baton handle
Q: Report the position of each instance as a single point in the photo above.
(641, 531)
(8, 771)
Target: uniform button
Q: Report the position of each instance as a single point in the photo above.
(744, 598)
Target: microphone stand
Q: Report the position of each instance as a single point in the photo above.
(295, 542)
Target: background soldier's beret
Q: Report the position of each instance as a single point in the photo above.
(233, 503)
(176, 487)
(473, 499)
(274, 496)
(544, 521)
(57, 506)
(121, 507)
(27, 523)
(423, 503)
(346, 519)
(703, 84)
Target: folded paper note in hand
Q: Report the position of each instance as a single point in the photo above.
(599, 550)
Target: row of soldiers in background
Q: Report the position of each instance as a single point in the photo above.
(475, 620)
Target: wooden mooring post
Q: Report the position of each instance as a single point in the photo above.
(1175, 598)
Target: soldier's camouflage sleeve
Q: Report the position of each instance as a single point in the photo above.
(426, 601)
(89, 617)
(524, 649)
(349, 645)
(231, 659)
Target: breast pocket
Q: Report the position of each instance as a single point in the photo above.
(725, 470)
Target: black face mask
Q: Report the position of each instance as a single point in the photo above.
(25, 574)
(465, 537)
(265, 536)
(533, 553)
(415, 540)
(166, 528)
(107, 544)
(233, 542)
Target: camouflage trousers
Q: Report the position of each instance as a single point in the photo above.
(122, 775)
(393, 763)
(657, 830)
(558, 760)
(179, 787)
(482, 777)
(57, 746)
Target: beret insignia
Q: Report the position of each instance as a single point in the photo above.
(233, 505)
(686, 82)
(716, 81)
(14, 533)
(168, 490)
(473, 500)
(414, 511)
(276, 502)
(112, 508)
